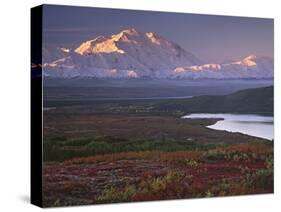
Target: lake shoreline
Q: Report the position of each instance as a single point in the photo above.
(248, 124)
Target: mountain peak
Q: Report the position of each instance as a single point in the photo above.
(65, 50)
(250, 57)
(125, 35)
(130, 31)
(153, 38)
(99, 44)
(248, 61)
(132, 53)
(127, 40)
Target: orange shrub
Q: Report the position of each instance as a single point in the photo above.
(146, 155)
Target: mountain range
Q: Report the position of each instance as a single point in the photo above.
(134, 54)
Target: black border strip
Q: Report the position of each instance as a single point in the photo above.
(36, 106)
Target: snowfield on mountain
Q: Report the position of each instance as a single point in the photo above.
(134, 54)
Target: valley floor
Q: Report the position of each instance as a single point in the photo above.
(92, 158)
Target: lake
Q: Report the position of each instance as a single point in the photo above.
(254, 125)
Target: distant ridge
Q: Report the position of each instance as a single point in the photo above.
(253, 101)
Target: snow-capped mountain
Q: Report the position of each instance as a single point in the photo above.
(127, 54)
(249, 67)
(131, 53)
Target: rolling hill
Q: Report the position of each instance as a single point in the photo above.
(256, 100)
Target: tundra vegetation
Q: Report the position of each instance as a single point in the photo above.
(122, 152)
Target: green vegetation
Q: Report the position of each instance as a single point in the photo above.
(141, 150)
(67, 149)
(253, 101)
(149, 187)
(257, 100)
(233, 169)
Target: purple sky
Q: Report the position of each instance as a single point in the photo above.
(210, 38)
